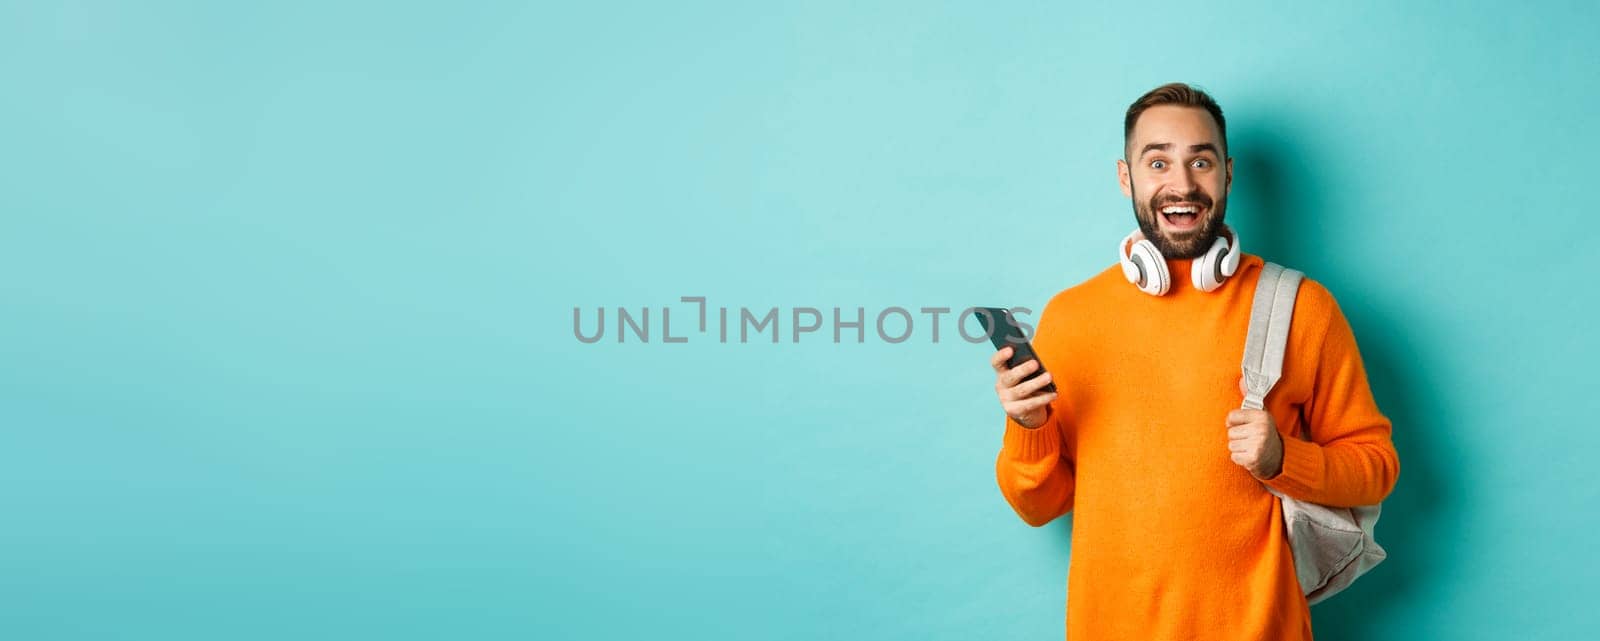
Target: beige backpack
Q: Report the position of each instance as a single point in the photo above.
(1332, 546)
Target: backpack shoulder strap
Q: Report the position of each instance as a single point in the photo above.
(1264, 342)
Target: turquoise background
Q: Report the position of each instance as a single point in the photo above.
(288, 289)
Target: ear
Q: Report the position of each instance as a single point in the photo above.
(1124, 179)
(1228, 186)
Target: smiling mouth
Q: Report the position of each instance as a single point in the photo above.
(1182, 217)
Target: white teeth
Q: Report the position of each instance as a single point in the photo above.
(1179, 210)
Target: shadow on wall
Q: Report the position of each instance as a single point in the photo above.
(1282, 206)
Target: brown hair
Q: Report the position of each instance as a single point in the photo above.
(1174, 93)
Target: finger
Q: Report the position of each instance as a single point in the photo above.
(998, 360)
(1242, 415)
(1028, 387)
(1242, 431)
(1012, 376)
(1029, 404)
(1023, 407)
(1011, 394)
(1249, 416)
(1008, 393)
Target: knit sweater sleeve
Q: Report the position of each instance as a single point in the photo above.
(1034, 476)
(1350, 458)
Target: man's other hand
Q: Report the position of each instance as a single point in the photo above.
(1020, 398)
(1254, 442)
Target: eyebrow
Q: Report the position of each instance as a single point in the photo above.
(1166, 146)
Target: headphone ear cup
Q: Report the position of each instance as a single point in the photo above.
(1230, 261)
(1132, 271)
(1153, 269)
(1129, 270)
(1207, 273)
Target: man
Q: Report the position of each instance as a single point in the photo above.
(1175, 535)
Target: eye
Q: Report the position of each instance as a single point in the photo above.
(1202, 163)
(1158, 164)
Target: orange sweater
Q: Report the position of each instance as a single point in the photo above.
(1171, 540)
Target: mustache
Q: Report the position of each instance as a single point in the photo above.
(1195, 196)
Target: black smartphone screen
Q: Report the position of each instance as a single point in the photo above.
(1003, 331)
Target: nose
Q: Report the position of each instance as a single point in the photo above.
(1183, 180)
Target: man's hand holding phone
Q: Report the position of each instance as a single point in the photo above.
(1022, 399)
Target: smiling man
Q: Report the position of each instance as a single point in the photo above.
(1175, 535)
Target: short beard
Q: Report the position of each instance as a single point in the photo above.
(1191, 244)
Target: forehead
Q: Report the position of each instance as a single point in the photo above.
(1175, 124)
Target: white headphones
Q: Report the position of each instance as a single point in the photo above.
(1146, 267)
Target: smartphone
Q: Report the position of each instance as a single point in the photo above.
(1003, 331)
